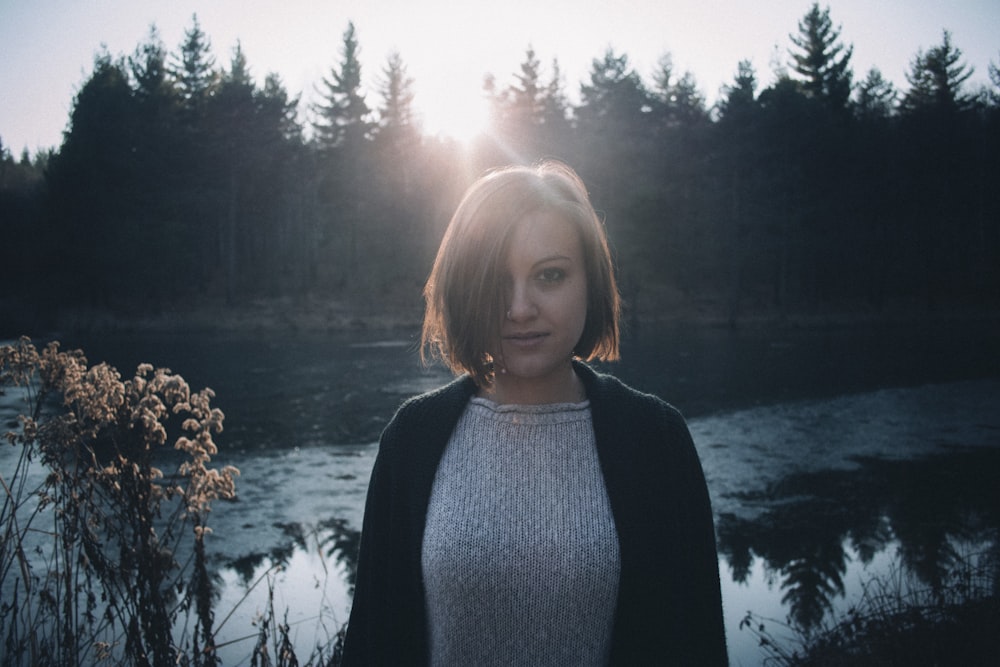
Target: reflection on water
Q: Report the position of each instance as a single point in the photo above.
(289, 543)
(306, 580)
(301, 582)
(932, 510)
(804, 490)
(332, 538)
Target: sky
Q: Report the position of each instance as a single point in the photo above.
(47, 47)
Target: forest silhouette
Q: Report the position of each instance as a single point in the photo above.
(181, 181)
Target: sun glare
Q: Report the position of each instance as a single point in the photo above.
(459, 118)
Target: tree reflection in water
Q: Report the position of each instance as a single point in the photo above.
(333, 538)
(928, 507)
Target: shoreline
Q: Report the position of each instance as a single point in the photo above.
(316, 315)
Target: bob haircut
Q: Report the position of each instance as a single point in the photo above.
(465, 303)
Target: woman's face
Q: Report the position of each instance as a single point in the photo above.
(545, 285)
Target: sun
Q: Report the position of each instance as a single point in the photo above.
(453, 116)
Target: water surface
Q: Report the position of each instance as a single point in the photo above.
(830, 456)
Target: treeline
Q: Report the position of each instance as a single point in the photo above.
(178, 179)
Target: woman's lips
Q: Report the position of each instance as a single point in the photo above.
(525, 339)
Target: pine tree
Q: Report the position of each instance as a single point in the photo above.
(527, 97)
(940, 169)
(158, 103)
(822, 62)
(233, 136)
(397, 121)
(678, 101)
(875, 180)
(529, 118)
(994, 72)
(148, 67)
(194, 70)
(617, 158)
(555, 106)
(397, 135)
(936, 79)
(737, 185)
(93, 182)
(741, 96)
(25, 237)
(394, 221)
(615, 91)
(251, 185)
(239, 71)
(343, 115)
(283, 108)
(519, 112)
(343, 131)
(876, 97)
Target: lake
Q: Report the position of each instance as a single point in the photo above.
(831, 455)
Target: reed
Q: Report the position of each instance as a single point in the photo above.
(105, 515)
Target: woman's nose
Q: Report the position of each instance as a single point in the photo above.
(521, 306)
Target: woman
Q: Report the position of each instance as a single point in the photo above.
(533, 511)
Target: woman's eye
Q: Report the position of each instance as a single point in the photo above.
(551, 275)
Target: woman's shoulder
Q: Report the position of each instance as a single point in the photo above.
(455, 394)
(442, 406)
(611, 392)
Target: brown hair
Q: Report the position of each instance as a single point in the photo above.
(464, 301)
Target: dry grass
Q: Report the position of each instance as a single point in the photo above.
(105, 518)
(901, 622)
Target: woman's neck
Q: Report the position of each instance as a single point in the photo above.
(561, 387)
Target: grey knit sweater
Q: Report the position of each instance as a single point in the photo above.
(669, 606)
(520, 556)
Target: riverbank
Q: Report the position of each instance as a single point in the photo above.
(315, 314)
(277, 315)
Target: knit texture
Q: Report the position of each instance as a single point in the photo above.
(520, 556)
(669, 605)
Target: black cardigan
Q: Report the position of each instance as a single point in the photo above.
(669, 607)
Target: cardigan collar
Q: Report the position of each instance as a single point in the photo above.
(593, 382)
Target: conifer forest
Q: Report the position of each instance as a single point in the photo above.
(180, 179)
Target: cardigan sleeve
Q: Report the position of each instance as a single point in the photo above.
(386, 625)
(705, 637)
(361, 644)
(387, 620)
(670, 602)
